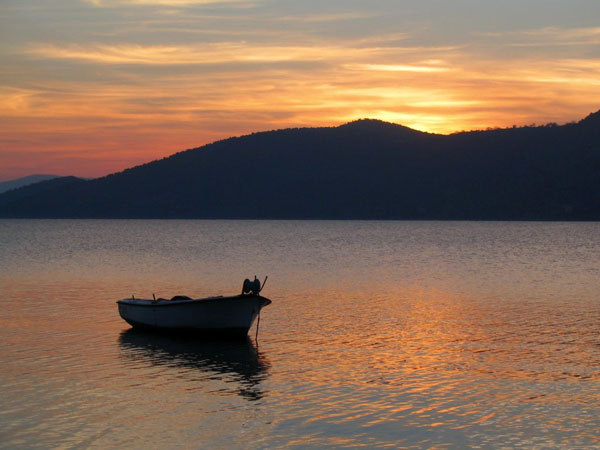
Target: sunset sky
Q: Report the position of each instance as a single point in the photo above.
(90, 87)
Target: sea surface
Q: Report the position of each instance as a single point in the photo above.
(381, 334)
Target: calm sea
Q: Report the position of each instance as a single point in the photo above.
(381, 334)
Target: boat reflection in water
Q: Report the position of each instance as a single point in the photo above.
(237, 361)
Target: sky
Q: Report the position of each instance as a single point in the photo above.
(91, 87)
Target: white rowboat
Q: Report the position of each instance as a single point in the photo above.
(213, 315)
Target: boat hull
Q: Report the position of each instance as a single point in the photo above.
(215, 316)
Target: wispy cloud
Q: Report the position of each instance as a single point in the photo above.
(173, 3)
(472, 92)
(398, 68)
(554, 33)
(546, 37)
(232, 52)
(328, 17)
(211, 53)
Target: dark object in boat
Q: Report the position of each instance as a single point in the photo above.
(253, 287)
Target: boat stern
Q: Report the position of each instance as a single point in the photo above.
(264, 301)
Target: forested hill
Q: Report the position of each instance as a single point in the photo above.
(366, 169)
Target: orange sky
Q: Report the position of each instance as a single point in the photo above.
(95, 86)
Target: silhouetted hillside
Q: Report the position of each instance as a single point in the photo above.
(366, 169)
(24, 181)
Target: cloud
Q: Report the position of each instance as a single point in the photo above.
(171, 3)
(397, 68)
(554, 33)
(211, 53)
(329, 17)
(441, 89)
(15, 100)
(546, 37)
(241, 52)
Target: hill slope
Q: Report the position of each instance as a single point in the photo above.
(365, 169)
(24, 181)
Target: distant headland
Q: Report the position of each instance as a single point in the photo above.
(366, 169)
(24, 181)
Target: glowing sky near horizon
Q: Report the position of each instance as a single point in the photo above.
(90, 87)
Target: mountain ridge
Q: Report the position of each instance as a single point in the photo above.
(365, 169)
(24, 181)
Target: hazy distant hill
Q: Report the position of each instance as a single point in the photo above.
(24, 181)
(365, 169)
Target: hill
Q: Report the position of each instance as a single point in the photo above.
(24, 181)
(365, 169)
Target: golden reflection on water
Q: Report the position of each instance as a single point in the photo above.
(427, 359)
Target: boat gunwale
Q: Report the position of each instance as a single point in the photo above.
(187, 301)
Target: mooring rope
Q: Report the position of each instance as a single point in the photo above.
(257, 325)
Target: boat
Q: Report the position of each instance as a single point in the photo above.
(232, 315)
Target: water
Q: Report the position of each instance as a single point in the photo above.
(381, 334)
